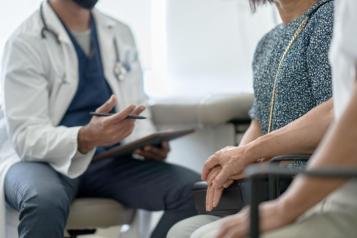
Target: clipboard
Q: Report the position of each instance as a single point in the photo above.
(154, 139)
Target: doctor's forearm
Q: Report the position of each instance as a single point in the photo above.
(302, 136)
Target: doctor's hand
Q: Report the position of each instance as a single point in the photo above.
(153, 152)
(104, 131)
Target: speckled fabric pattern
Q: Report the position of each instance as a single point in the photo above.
(305, 78)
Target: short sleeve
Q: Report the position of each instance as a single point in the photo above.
(253, 111)
(319, 68)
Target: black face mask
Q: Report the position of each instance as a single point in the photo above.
(87, 4)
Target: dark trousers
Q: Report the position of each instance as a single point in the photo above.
(42, 196)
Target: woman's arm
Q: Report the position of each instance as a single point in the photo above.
(301, 136)
(252, 133)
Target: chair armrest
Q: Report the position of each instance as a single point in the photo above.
(230, 203)
(233, 199)
(278, 185)
(256, 172)
(294, 160)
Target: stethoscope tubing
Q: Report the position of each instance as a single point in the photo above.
(119, 70)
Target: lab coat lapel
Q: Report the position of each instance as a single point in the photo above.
(67, 90)
(54, 23)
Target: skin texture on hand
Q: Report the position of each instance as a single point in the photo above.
(214, 194)
(273, 215)
(104, 131)
(154, 153)
(229, 159)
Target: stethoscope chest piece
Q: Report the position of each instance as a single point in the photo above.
(120, 71)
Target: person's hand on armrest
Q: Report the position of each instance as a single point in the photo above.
(104, 131)
(300, 136)
(223, 162)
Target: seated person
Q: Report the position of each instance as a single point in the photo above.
(314, 207)
(292, 108)
(59, 66)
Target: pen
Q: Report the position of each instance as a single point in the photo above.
(106, 114)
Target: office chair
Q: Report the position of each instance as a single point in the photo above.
(86, 216)
(258, 172)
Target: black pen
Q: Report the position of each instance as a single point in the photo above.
(107, 114)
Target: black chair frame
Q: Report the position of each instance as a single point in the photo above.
(257, 172)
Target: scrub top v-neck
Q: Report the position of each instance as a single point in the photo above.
(93, 90)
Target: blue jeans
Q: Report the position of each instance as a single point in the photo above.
(42, 196)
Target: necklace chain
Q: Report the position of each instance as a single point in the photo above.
(273, 95)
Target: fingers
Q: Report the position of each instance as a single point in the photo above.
(228, 183)
(214, 195)
(222, 177)
(238, 177)
(120, 116)
(217, 196)
(212, 174)
(108, 105)
(166, 146)
(150, 152)
(209, 164)
(209, 198)
(139, 109)
(210, 189)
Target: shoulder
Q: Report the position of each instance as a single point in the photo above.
(322, 19)
(27, 36)
(122, 30)
(265, 40)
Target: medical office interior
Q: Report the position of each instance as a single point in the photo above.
(196, 57)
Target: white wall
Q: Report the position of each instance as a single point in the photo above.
(12, 13)
(211, 44)
(137, 13)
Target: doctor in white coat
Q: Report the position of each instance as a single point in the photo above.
(63, 62)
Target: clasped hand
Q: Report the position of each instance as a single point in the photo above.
(220, 170)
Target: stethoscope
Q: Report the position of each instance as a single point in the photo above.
(120, 70)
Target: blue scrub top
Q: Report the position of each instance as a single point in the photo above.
(93, 90)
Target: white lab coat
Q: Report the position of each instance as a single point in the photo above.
(39, 78)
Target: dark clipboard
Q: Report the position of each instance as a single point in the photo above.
(154, 139)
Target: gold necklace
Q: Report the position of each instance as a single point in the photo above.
(295, 36)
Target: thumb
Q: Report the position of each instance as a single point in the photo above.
(108, 105)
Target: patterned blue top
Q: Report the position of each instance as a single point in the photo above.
(305, 78)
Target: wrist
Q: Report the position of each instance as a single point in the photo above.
(291, 206)
(261, 148)
(85, 142)
(251, 152)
